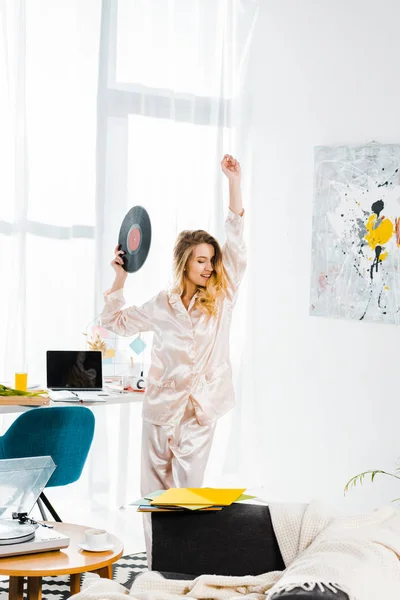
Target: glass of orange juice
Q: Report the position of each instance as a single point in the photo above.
(21, 381)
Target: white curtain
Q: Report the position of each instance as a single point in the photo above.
(169, 77)
(48, 87)
(171, 102)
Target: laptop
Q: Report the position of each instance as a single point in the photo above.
(75, 371)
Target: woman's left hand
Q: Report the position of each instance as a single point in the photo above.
(231, 167)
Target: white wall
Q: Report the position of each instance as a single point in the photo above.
(322, 73)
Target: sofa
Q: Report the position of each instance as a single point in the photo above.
(239, 540)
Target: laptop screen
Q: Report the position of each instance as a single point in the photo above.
(77, 370)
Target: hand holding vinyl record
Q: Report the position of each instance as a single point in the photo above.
(117, 263)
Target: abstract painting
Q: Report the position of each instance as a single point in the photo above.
(356, 233)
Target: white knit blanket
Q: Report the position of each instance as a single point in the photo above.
(359, 555)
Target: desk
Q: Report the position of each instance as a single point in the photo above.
(112, 399)
(124, 401)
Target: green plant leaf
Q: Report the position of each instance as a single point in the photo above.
(361, 476)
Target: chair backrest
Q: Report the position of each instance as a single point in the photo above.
(63, 432)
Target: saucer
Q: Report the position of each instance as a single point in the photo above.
(84, 546)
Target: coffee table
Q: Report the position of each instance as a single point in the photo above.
(69, 561)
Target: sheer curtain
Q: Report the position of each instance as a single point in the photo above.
(105, 106)
(171, 102)
(168, 108)
(48, 97)
(48, 87)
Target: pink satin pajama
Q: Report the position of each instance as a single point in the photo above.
(175, 455)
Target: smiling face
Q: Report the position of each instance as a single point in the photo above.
(200, 267)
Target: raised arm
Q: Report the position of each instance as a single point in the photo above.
(124, 321)
(234, 250)
(231, 168)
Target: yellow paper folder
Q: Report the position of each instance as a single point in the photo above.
(198, 496)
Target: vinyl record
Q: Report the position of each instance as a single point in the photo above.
(15, 533)
(135, 238)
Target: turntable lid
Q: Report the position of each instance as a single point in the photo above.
(22, 480)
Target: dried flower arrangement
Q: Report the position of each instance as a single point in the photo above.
(97, 343)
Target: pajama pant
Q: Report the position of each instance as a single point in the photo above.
(173, 456)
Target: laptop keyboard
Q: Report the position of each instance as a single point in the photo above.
(65, 396)
(61, 395)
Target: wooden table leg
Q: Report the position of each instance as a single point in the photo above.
(16, 588)
(75, 583)
(34, 588)
(105, 572)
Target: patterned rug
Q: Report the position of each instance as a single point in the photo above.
(57, 588)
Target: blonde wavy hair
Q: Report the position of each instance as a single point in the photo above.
(217, 285)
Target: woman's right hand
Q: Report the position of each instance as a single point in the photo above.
(117, 263)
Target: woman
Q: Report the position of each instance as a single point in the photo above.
(189, 385)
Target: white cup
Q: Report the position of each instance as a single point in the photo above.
(96, 539)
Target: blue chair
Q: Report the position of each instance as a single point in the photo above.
(63, 432)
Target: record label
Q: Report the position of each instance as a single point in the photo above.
(134, 239)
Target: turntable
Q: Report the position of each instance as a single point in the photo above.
(22, 480)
